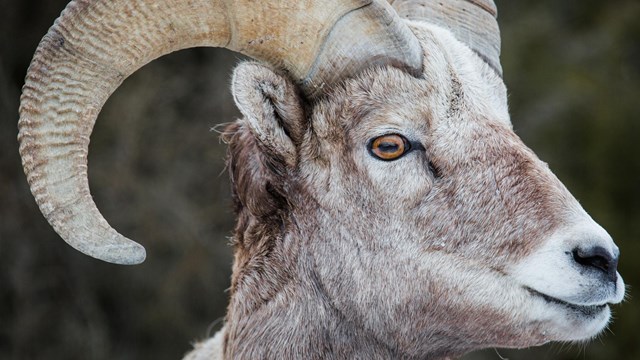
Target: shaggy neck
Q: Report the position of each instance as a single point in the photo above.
(297, 320)
(291, 318)
(288, 302)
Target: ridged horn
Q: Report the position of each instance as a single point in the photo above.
(96, 44)
(473, 22)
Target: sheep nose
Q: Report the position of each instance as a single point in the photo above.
(598, 258)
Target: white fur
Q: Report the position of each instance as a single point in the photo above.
(210, 349)
(486, 90)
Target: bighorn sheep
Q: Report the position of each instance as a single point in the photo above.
(385, 207)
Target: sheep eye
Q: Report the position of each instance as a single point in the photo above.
(389, 147)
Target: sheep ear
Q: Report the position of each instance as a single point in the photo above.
(272, 110)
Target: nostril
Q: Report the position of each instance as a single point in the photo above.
(599, 258)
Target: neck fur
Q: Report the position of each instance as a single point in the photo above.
(284, 312)
(291, 318)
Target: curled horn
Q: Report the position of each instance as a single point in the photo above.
(96, 44)
(473, 22)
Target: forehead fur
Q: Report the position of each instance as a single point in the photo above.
(447, 76)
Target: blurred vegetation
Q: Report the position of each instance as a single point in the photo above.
(573, 71)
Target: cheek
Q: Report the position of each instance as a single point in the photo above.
(407, 180)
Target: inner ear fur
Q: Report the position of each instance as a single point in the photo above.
(272, 110)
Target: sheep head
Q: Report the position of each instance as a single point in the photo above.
(449, 237)
(379, 170)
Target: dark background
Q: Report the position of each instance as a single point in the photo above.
(573, 72)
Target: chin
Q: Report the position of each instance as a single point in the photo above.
(567, 322)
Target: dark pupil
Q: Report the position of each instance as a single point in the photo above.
(388, 147)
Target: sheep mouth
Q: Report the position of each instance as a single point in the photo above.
(584, 310)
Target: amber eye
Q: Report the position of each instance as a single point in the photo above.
(389, 147)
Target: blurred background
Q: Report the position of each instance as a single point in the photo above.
(156, 171)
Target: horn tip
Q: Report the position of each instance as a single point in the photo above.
(130, 253)
(127, 255)
(120, 252)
